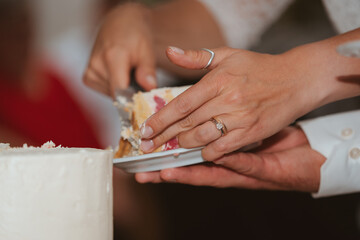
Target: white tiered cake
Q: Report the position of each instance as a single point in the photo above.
(55, 193)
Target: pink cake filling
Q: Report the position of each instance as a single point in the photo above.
(173, 143)
(160, 103)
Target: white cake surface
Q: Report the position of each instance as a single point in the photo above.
(55, 193)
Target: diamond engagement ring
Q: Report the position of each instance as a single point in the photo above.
(211, 58)
(219, 125)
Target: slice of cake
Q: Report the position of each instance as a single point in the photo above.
(55, 193)
(143, 106)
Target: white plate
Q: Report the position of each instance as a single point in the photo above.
(159, 160)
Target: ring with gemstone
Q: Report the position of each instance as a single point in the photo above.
(219, 125)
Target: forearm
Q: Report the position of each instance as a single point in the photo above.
(326, 76)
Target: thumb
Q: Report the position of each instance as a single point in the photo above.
(196, 59)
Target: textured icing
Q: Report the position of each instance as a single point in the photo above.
(55, 193)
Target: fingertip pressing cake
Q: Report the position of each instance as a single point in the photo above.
(55, 193)
(143, 106)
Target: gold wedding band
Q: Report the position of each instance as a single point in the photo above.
(219, 125)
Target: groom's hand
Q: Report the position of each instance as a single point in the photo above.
(285, 161)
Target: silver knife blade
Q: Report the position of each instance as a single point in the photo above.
(122, 100)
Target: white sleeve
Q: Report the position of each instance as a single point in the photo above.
(243, 21)
(337, 137)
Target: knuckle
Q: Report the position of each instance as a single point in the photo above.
(220, 80)
(110, 53)
(183, 106)
(156, 122)
(236, 97)
(167, 175)
(196, 55)
(251, 121)
(160, 139)
(209, 154)
(220, 146)
(204, 153)
(187, 122)
(183, 140)
(202, 135)
(244, 169)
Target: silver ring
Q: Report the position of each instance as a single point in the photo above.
(211, 58)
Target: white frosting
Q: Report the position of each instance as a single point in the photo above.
(4, 146)
(57, 194)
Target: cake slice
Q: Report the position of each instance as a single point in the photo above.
(143, 106)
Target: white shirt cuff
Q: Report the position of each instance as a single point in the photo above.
(337, 137)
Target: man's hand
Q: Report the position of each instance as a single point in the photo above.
(285, 161)
(124, 42)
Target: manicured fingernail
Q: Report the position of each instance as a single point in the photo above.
(146, 145)
(151, 80)
(177, 50)
(145, 131)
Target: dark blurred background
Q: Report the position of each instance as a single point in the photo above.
(47, 42)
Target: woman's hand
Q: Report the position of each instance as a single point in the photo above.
(124, 42)
(254, 95)
(285, 161)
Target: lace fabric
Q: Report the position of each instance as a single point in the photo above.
(344, 14)
(243, 21)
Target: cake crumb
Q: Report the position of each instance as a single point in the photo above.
(48, 144)
(4, 146)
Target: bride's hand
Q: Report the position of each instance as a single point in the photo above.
(255, 95)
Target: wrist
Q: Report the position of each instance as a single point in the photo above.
(311, 66)
(327, 76)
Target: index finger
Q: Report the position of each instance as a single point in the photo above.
(118, 66)
(179, 107)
